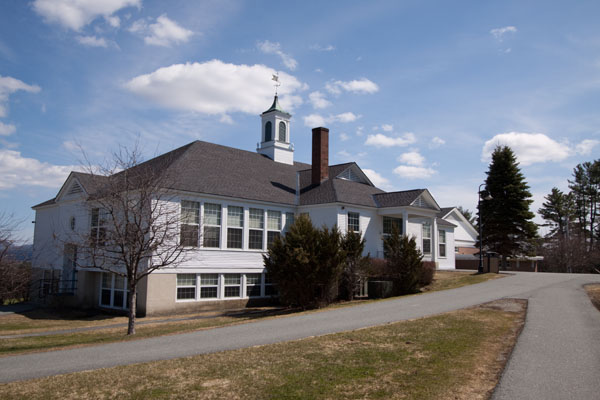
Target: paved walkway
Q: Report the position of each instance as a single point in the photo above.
(521, 285)
(557, 355)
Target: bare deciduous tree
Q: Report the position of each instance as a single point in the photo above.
(135, 222)
(14, 274)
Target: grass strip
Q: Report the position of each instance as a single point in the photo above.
(455, 355)
(593, 291)
(38, 320)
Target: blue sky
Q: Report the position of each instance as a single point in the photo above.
(416, 92)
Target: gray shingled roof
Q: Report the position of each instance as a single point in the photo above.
(443, 222)
(444, 211)
(208, 168)
(397, 199)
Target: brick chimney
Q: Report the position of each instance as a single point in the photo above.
(320, 155)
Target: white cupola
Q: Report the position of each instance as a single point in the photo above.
(275, 134)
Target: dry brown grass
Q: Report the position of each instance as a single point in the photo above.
(593, 291)
(456, 355)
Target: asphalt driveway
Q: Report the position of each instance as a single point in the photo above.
(537, 287)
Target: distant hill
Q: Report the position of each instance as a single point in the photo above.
(21, 253)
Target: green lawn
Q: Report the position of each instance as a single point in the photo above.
(44, 320)
(456, 355)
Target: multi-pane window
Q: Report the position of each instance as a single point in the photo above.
(212, 225)
(113, 291)
(273, 226)
(289, 220)
(233, 283)
(270, 286)
(98, 227)
(353, 222)
(256, 226)
(442, 242)
(389, 223)
(209, 286)
(426, 238)
(282, 131)
(190, 223)
(253, 285)
(235, 227)
(186, 286)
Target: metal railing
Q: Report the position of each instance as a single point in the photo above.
(56, 287)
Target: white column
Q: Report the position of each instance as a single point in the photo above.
(405, 222)
(434, 233)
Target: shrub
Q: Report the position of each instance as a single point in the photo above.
(306, 264)
(355, 265)
(404, 262)
(427, 273)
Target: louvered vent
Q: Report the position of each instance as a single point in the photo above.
(419, 202)
(74, 189)
(350, 175)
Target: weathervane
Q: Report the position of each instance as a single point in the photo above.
(277, 83)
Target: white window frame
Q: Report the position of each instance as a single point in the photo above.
(290, 218)
(235, 227)
(348, 227)
(201, 285)
(226, 285)
(188, 205)
(385, 217)
(442, 243)
(112, 289)
(424, 238)
(261, 228)
(207, 225)
(194, 286)
(98, 226)
(273, 216)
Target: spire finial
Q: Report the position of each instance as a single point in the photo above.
(277, 83)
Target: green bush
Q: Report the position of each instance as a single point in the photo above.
(404, 262)
(306, 264)
(355, 265)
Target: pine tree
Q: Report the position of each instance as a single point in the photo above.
(469, 215)
(506, 219)
(559, 211)
(585, 187)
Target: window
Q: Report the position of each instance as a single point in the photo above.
(190, 223)
(98, 227)
(212, 225)
(209, 286)
(426, 238)
(235, 227)
(442, 243)
(270, 287)
(233, 284)
(289, 220)
(353, 222)
(273, 226)
(72, 223)
(253, 285)
(282, 131)
(113, 291)
(389, 223)
(186, 286)
(256, 225)
(268, 132)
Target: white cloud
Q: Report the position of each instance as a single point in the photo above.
(75, 14)
(6, 130)
(9, 85)
(387, 127)
(226, 119)
(412, 172)
(318, 47)
(499, 33)
(344, 137)
(92, 41)
(436, 142)
(318, 100)
(16, 170)
(215, 88)
(381, 140)
(164, 32)
(586, 146)
(314, 120)
(412, 158)
(113, 21)
(360, 131)
(530, 148)
(268, 47)
(377, 179)
(361, 86)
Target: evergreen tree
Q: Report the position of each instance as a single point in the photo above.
(469, 215)
(585, 188)
(355, 265)
(559, 211)
(404, 262)
(506, 219)
(306, 264)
